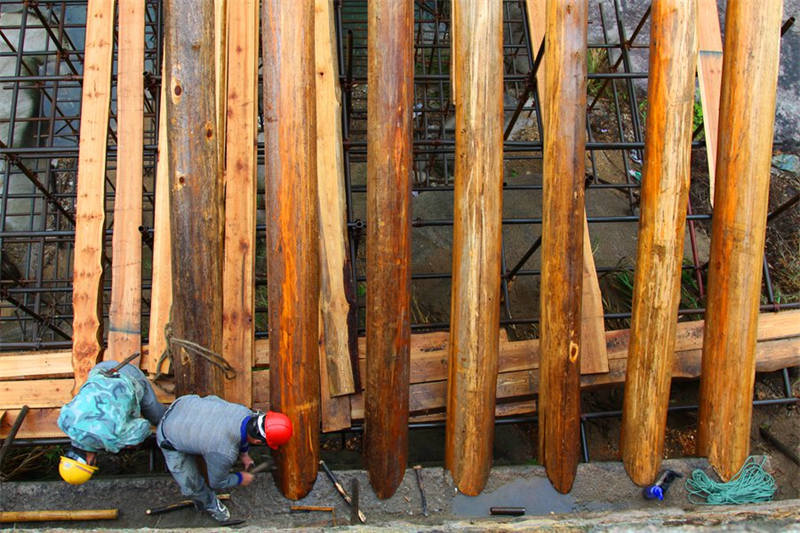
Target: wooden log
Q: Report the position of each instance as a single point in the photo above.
(238, 273)
(390, 76)
(337, 294)
(562, 247)
(87, 279)
(709, 77)
(477, 237)
(161, 283)
(292, 235)
(747, 110)
(594, 358)
(7, 517)
(657, 282)
(195, 194)
(125, 311)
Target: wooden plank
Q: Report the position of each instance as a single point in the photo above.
(221, 57)
(196, 201)
(87, 285)
(335, 409)
(337, 295)
(38, 423)
(430, 397)
(34, 364)
(161, 284)
(292, 235)
(125, 310)
(747, 111)
(709, 77)
(390, 73)
(261, 389)
(594, 358)
(657, 282)
(562, 247)
(238, 274)
(42, 393)
(477, 238)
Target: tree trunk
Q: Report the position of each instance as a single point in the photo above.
(657, 284)
(562, 239)
(195, 193)
(477, 238)
(292, 235)
(390, 78)
(747, 111)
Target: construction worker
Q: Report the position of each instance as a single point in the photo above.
(219, 432)
(111, 411)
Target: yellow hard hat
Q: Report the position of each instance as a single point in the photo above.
(75, 472)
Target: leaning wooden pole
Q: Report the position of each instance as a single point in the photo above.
(390, 77)
(477, 235)
(657, 284)
(562, 243)
(292, 238)
(87, 279)
(747, 111)
(125, 312)
(195, 194)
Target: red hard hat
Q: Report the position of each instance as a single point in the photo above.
(277, 429)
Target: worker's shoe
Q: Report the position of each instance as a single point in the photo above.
(219, 512)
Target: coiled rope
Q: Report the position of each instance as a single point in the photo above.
(752, 484)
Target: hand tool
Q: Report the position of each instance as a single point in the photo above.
(340, 489)
(111, 372)
(266, 466)
(507, 511)
(179, 505)
(418, 473)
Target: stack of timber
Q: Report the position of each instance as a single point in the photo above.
(43, 379)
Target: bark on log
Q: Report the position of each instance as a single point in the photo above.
(195, 193)
(125, 312)
(238, 308)
(747, 111)
(292, 235)
(87, 286)
(389, 107)
(657, 283)
(562, 243)
(477, 238)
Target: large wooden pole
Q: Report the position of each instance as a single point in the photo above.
(87, 279)
(709, 78)
(747, 111)
(238, 277)
(477, 237)
(562, 239)
(657, 284)
(195, 193)
(390, 77)
(292, 238)
(125, 312)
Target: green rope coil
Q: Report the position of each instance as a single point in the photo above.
(752, 484)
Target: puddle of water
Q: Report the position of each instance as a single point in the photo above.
(536, 495)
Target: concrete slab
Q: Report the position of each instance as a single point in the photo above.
(599, 488)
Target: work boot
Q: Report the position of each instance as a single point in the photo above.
(219, 512)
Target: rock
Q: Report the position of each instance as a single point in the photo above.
(787, 163)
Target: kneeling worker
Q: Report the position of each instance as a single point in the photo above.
(110, 412)
(219, 431)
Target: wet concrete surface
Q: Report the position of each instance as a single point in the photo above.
(599, 487)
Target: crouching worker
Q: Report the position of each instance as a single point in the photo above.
(110, 412)
(219, 431)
